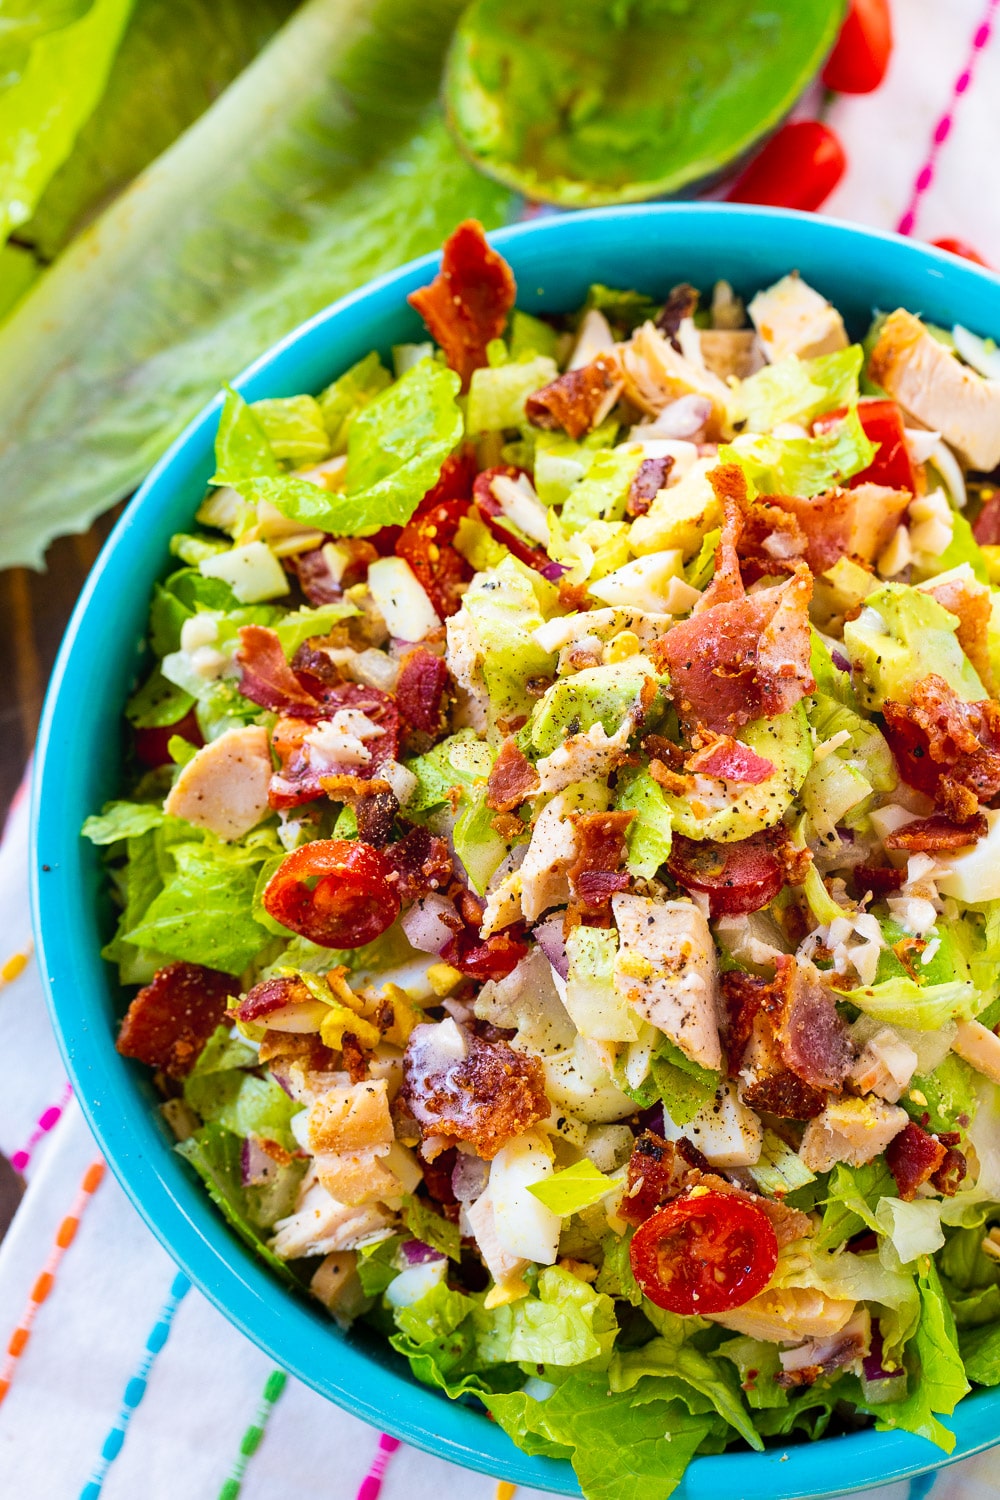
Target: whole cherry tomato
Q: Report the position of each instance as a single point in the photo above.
(737, 878)
(425, 544)
(707, 1252)
(798, 168)
(860, 56)
(335, 892)
(960, 248)
(883, 424)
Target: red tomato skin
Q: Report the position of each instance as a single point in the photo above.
(425, 543)
(151, 744)
(720, 1250)
(883, 424)
(962, 249)
(737, 878)
(798, 168)
(860, 57)
(352, 903)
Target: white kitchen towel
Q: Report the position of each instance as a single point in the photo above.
(116, 1378)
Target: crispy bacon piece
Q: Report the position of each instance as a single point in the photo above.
(374, 802)
(486, 1097)
(437, 1176)
(986, 528)
(271, 995)
(970, 602)
(420, 862)
(579, 400)
(738, 657)
(596, 874)
(484, 958)
(879, 879)
(738, 878)
(512, 779)
(771, 541)
(855, 522)
(420, 687)
(650, 478)
(740, 660)
(951, 1173)
(682, 303)
(467, 303)
(650, 1177)
(937, 832)
(318, 582)
(787, 1035)
(728, 760)
(300, 779)
(946, 748)
(913, 1157)
(267, 679)
(171, 1018)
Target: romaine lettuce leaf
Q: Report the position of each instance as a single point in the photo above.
(601, 494)
(243, 1103)
(242, 449)
(802, 466)
(122, 820)
(852, 1196)
(903, 1002)
(622, 1449)
(294, 428)
(650, 833)
(430, 1227)
(345, 397)
(172, 62)
(194, 270)
(54, 62)
(215, 1153)
(676, 1360)
(572, 1189)
(796, 390)
(568, 1323)
(937, 1377)
(203, 913)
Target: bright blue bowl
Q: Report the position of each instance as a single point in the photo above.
(79, 767)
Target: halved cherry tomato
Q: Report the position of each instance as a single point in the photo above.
(151, 744)
(883, 424)
(798, 168)
(959, 247)
(861, 53)
(335, 892)
(425, 544)
(704, 1253)
(737, 878)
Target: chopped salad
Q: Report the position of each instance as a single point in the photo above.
(561, 875)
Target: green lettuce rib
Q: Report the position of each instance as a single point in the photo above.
(324, 164)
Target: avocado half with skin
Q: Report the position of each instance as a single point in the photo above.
(593, 102)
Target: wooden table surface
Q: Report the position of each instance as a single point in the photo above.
(34, 611)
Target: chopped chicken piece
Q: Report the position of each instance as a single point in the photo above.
(788, 1314)
(337, 1285)
(733, 351)
(932, 385)
(850, 1130)
(224, 785)
(543, 871)
(351, 1119)
(320, 1223)
(792, 318)
(655, 374)
(979, 1047)
(666, 968)
(726, 1132)
(358, 1177)
(885, 1066)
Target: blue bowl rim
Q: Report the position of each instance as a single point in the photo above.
(245, 1294)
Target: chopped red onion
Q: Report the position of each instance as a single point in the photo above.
(872, 1363)
(417, 1253)
(431, 922)
(549, 937)
(256, 1167)
(840, 661)
(553, 571)
(682, 418)
(469, 1177)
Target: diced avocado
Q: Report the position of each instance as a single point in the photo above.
(679, 516)
(786, 742)
(840, 590)
(575, 704)
(901, 636)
